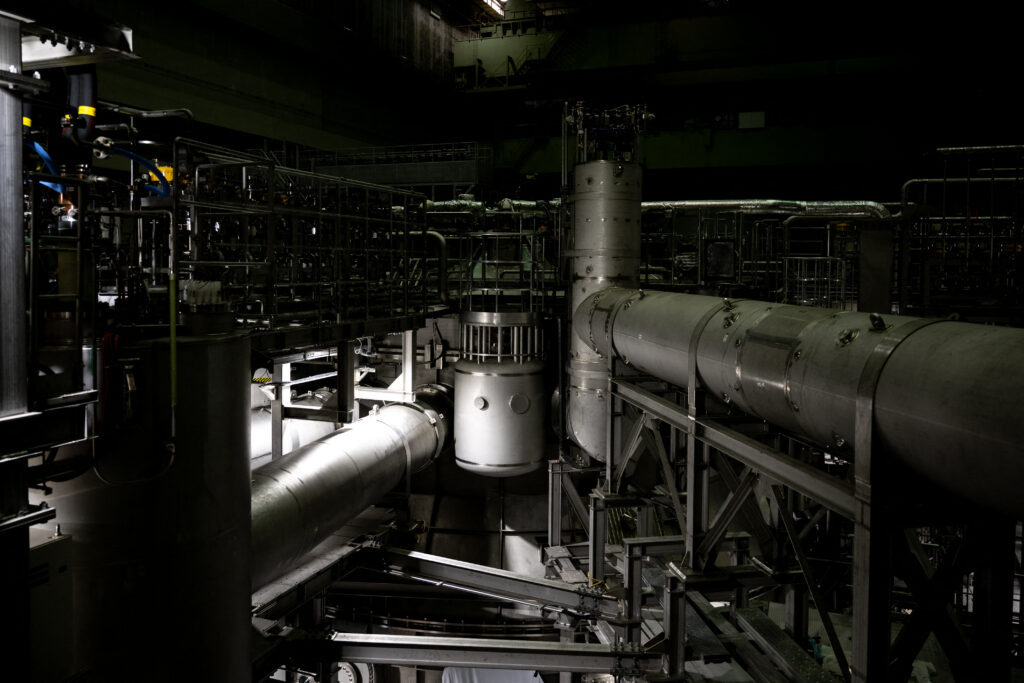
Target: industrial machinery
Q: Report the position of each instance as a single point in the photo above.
(246, 399)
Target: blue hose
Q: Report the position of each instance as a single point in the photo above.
(48, 162)
(164, 190)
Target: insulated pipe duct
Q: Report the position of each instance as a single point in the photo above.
(783, 207)
(605, 252)
(945, 404)
(300, 499)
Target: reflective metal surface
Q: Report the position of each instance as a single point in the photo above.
(605, 252)
(13, 378)
(500, 411)
(300, 499)
(800, 368)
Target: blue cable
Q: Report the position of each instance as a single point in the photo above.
(48, 162)
(164, 190)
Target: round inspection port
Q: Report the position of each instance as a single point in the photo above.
(519, 404)
(480, 403)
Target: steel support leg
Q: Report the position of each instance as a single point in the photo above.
(281, 376)
(991, 636)
(674, 624)
(347, 410)
(554, 503)
(598, 536)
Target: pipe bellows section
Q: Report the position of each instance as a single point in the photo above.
(946, 403)
(300, 499)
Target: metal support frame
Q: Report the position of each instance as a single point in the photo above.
(598, 529)
(872, 565)
(483, 653)
(674, 622)
(348, 412)
(834, 493)
(636, 550)
(281, 378)
(703, 557)
(580, 600)
(575, 499)
(554, 503)
(652, 439)
(812, 586)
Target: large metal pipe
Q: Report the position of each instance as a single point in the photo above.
(784, 207)
(946, 402)
(13, 363)
(605, 252)
(300, 499)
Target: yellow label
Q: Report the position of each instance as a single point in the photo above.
(168, 172)
(26, 121)
(86, 111)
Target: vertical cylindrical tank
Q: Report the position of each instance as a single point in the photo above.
(160, 524)
(500, 402)
(605, 252)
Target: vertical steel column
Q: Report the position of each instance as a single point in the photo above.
(347, 411)
(674, 622)
(598, 536)
(993, 598)
(281, 376)
(408, 363)
(872, 550)
(554, 503)
(634, 581)
(13, 361)
(797, 608)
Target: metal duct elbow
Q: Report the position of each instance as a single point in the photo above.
(301, 499)
(847, 209)
(944, 400)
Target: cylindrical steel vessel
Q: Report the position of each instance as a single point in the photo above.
(160, 526)
(499, 417)
(300, 499)
(499, 394)
(605, 252)
(945, 402)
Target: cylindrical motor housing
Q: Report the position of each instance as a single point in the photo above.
(500, 402)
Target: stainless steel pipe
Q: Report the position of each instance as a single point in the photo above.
(784, 207)
(946, 404)
(300, 499)
(605, 252)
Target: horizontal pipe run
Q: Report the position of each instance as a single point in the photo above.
(301, 499)
(782, 207)
(945, 403)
